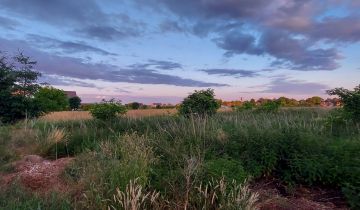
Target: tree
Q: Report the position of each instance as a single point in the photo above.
(18, 83)
(25, 77)
(51, 99)
(74, 103)
(135, 105)
(314, 101)
(350, 100)
(201, 103)
(107, 110)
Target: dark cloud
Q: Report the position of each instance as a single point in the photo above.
(78, 69)
(230, 72)
(157, 64)
(56, 11)
(290, 52)
(8, 23)
(63, 81)
(289, 31)
(286, 86)
(109, 33)
(337, 29)
(172, 26)
(64, 46)
(85, 15)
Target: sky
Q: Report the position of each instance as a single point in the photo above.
(162, 50)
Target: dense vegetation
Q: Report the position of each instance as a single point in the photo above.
(21, 95)
(168, 158)
(200, 103)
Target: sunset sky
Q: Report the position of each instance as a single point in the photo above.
(161, 50)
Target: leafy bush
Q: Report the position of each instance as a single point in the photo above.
(228, 168)
(74, 103)
(245, 106)
(134, 105)
(201, 103)
(51, 99)
(269, 106)
(107, 110)
(350, 100)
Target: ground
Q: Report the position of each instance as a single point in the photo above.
(44, 176)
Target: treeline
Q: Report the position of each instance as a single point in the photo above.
(287, 102)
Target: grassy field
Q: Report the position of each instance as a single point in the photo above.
(171, 162)
(85, 115)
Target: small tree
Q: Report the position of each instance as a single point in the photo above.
(135, 105)
(200, 103)
(74, 102)
(107, 110)
(350, 100)
(18, 83)
(51, 99)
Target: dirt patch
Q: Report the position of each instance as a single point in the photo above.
(38, 174)
(273, 195)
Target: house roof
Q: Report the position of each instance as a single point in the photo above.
(70, 94)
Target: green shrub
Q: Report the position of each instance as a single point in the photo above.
(107, 110)
(269, 106)
(201, 103)
(245, 106)
(350, 100)
(228, 168)
(51, 99)
(74, 102)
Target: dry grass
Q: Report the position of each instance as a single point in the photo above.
(85, 115)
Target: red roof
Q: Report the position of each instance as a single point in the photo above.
(70, 94)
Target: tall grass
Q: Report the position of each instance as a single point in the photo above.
(179, 157)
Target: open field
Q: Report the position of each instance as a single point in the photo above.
(85, 115)
(291, 159)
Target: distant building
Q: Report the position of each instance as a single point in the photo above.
(70, 94)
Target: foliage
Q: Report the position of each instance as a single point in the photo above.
(16, 197)
(107, 110)
(50, 99)
(179, 157)
(135, 105)
(74, 103)
(201, 103)
(314, 101)
(269, 106)
(245, 106)
(17, 86)
(350, 100)
(228, 169)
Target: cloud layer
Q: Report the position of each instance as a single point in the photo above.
(77, 68)
(291, 32)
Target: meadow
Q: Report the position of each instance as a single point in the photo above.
(165, 161)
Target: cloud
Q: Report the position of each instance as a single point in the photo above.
(292, 32)
(286, 86)
(84, 15)
(171, 26)
(65, 46)
(230, 72)
(8, 23)
(64, 81)
(109, 33)
(289, 52)
(158, 64)
(78, 69)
